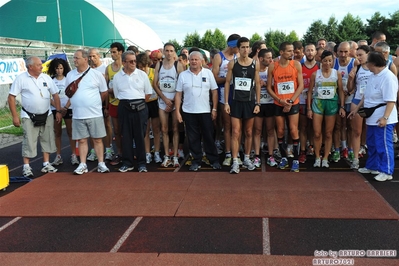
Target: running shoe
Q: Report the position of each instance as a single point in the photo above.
(58, 160)
(271, 161)
(180, 153)
(317, 163)
(125, 168)
(290, 154)
(355, 164)
(249, 165)
(27, 171)
(102, 168)
(166, 161)
(336, 156)
(92, 156)
(108, 155)
(216, 166)
(148, 157)
(364, 170)
(283, 163)
(48, 168)
(302, 157)
(235, 168)
(227, 161)
(310, 150)
(116, 160)
(82, 168)
(295, 166)
(157, 158)
(325, 164)
(205, 160)
(219, 147)
(344, 153)
(277, 155)
(257, 162)
(142, 169)
(383, 177)
(74, 159)
(176, 162)
(351, 156)
(194, 167)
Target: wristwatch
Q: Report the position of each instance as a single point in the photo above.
(290, 101)
(386, 117)
(258, 104)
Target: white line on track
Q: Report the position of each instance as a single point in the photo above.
(10, 223)
(266, 236)
(126, 235)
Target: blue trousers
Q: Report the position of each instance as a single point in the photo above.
(381, 155)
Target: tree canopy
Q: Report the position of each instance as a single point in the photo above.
(350, 28)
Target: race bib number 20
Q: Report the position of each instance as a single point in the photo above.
(242, 84)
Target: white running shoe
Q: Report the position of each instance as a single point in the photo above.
(82, 168)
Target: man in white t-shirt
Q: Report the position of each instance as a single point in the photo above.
(195, 84)
(87, 120)
(35, 89)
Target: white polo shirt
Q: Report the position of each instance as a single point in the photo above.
(131, 87)
(381, 88)
(35, 93)
(196, 90)
(86, 102)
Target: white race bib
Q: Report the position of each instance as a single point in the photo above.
(344, 83)
(167, 85)
(242, 84)
(265, 98)
(285, 87)
(362, 88)
(326, 92)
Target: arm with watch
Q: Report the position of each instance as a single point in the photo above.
(382, 122)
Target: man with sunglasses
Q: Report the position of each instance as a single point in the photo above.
(87, 120)
(132, 87)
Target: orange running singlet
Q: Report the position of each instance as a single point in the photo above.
(285, 81)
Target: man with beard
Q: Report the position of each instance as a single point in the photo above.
(305, 128)
(288, 85)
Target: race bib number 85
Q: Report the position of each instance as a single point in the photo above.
(167, 85)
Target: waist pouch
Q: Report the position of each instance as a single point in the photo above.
(135, 105)
(37, 119)
(367, 112)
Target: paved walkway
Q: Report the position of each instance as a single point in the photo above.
(9, 139)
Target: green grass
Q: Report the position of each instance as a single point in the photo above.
(6, 125)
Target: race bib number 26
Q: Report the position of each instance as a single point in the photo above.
(285, 87)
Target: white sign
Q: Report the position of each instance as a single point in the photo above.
(41, 19)
(10, 69)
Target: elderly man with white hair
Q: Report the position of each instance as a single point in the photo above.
(195, 84)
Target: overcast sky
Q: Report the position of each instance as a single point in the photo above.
(173, 19)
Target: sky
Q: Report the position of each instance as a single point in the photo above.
(174, 19)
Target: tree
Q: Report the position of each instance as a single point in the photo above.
(376, 23)
(255, 37)
(213, 40)
(392, 32)
(331, 30)
(316, 31)
(351, 29)
(177, 45)
(192, 40)
(274, 38)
